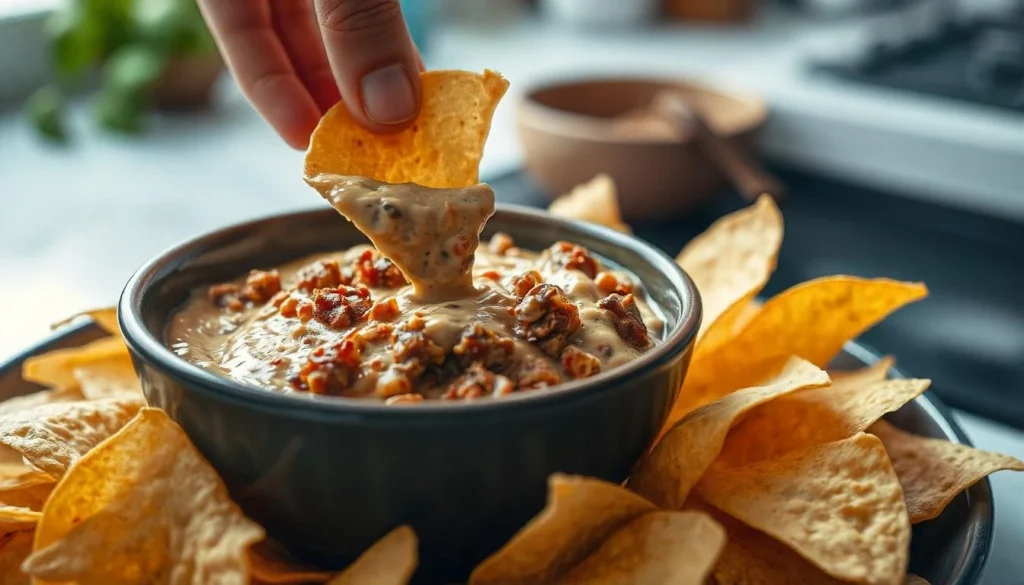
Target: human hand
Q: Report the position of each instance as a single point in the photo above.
(294, 59)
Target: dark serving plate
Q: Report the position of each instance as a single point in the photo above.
(949, 550)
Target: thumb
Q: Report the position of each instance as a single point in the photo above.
(373, 60)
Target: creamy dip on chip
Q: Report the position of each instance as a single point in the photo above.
(430, 234)
(428, 314)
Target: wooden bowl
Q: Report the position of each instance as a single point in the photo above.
(572, 131)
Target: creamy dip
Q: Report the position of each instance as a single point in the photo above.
(473, 323)
(430, 234)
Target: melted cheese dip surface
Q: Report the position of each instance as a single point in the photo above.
(256, 341)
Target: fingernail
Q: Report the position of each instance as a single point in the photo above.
(388, 97)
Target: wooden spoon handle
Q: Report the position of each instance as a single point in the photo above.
(745, 175)
(748, 178)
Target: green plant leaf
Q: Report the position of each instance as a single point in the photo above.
(119, 111)
(197, 41)
(46, 110)
(134, 68)
(77, 41)
(154, 16)
(113, 18)
(177, 25)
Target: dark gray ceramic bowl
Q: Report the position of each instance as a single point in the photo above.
(328, 476)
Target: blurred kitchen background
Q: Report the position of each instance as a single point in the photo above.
(896, 127)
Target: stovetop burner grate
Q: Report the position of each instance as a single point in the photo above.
(979, 61)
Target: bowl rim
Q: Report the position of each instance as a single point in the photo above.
(153, 350)
(534, 114)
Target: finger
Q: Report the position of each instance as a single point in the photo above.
(254, 54)
(373, 59)
(419, 60)
(296, 26)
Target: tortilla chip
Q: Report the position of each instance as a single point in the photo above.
(270, 566)
(14, 548)
(580, 514)
(754, 558)
(815, 319)
(690, 398)
(915, 580)
(934, 471)
(876, 372)
(17, 475)
(658, 547)
(720, 335)
(731, 262)
(390, 561)
(815, 416)
(812, 320)
(16, 532)
(13, 519)
(34, 399)
(839, 505)
(53, 437)
(101, 369)
(106, 318)
(675, 464)
(108, 377)
(595, 201)
(143, 507)
(442, 148)
(20, 485)
(56, 368)
(31, 497)
(743, 314)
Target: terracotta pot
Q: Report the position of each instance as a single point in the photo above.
(572, 131)
(187, 83)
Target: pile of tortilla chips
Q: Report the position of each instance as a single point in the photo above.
(97, 488)
(770, 470)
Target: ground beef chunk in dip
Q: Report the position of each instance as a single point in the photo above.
(330, 368)
(349, 324)
(547, 318)
(477, 382)
(500, 244)
(477, 344)
(342, 307)
(325, 273)
(537, 373)
(414, 350)
(377, 271)
(628, 321)
(577, 363)
(259, 287)
(524, 283)
(607, 282)
(573, 257)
